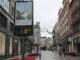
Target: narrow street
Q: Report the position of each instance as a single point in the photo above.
(49, 55)
(39, 29)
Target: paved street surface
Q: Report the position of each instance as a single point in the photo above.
(49, 55)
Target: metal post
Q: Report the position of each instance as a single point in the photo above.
(23, 49)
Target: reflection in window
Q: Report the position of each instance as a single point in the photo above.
(2, 43)
(10, 48)
(19, 47)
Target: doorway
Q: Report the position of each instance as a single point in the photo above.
(79, 48)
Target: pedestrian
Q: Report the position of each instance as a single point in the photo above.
(40, 53)
(60, 52)
(63, 52)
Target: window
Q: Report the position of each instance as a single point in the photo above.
(3, 20)
(19, 47)
(73, 30)
(79, 27)
(12, 12)
(10, 47)
(75, 44)
(2, 1)
(11, 26)
(79, 39)
(2, 44)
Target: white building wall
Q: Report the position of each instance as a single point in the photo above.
(36, 33)
(43, 41)
(5, 5)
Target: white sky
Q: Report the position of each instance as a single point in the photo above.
(46, 12)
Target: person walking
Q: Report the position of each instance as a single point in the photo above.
(60, 52)
(40, 53)
(63, 52)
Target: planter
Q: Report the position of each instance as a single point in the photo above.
(33, 54)
(71, 53)
(29, 58)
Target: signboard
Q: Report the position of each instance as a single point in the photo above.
(23, 13)
(23, 18)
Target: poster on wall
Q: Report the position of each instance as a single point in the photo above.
(23, 18)
(23, 13)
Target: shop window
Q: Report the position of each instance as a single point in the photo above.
(2, 44)
(75, 41)
(19, 47)
(10, 47)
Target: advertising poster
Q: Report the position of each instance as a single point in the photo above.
(23, 18)
(23, 13)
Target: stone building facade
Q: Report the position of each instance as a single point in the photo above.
(36, 36)
(75, 19)
(6, 29)
(65, 27)
(10, 45)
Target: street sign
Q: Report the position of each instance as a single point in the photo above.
(23, 18)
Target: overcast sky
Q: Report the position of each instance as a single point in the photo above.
(46, 12)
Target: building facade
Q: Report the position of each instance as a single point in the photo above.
(55, 35)
(36, 36)
(5, 5)
(75, 19)
(43, 41)
(10, 45)
(65, 27)
(49, 43)
(6, 29)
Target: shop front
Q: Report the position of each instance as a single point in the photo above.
(2, 44)
(10, 46)
(66, 44)
(76, 44)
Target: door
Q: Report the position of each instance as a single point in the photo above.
(79, 48)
